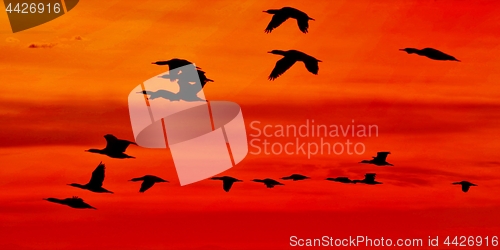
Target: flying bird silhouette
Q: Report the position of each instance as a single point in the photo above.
(73, 202)
(295, 177)
(95, 183)
(115, 147)
(369, 179)
(281, 15)
(465, 185)
(175, 63)
(148, 181)
(430, 53)
(340, 179)
(289, 58)
(270, 183)
(379, 160)
(227, 182)
(187, 78)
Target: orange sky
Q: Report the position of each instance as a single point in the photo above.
(439, 120)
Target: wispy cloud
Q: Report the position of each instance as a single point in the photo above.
(42, 45)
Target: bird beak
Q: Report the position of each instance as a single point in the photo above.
(269, 52)
(311, 19)
(402, 49)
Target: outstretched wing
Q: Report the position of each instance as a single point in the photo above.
(370, 177)
(97, 176)
(303, 24)
(276, 21)
(147, 184)
(438, 54)
(382, 155)
(226, 185)
(115, 144)
(312, 65)
(281, 66)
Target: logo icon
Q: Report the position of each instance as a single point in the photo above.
(205, 137)
(24, 15)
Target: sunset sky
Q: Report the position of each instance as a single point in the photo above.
(439, 119)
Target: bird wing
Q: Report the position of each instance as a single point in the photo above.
(226, 185)
(303, 24)
(97, 176)
(382, 155)
(370, 177)
(115, 144)
(147, 184)
(436, 53)
(312, 65)
(281, 66)
(276, 21)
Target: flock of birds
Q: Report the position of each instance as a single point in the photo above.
(115, 147)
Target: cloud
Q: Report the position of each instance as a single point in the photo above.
(42, 45)
(62, 42)
(12, 40)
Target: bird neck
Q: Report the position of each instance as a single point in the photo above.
(272, 11)
(279, 52)
(412, 50)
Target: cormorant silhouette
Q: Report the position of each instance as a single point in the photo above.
(281, 15)
(95, 183)
(187, 78)
(431, 53)
(148, 181)
(465, 185)
(175, 63)
(73, 202)
(295, 177)
(227, 182)
(290, 57)
(379, 160)
(270, 183)
(115, 147)
(340, 179)
(369, 179)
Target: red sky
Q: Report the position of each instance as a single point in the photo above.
(438, 119)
